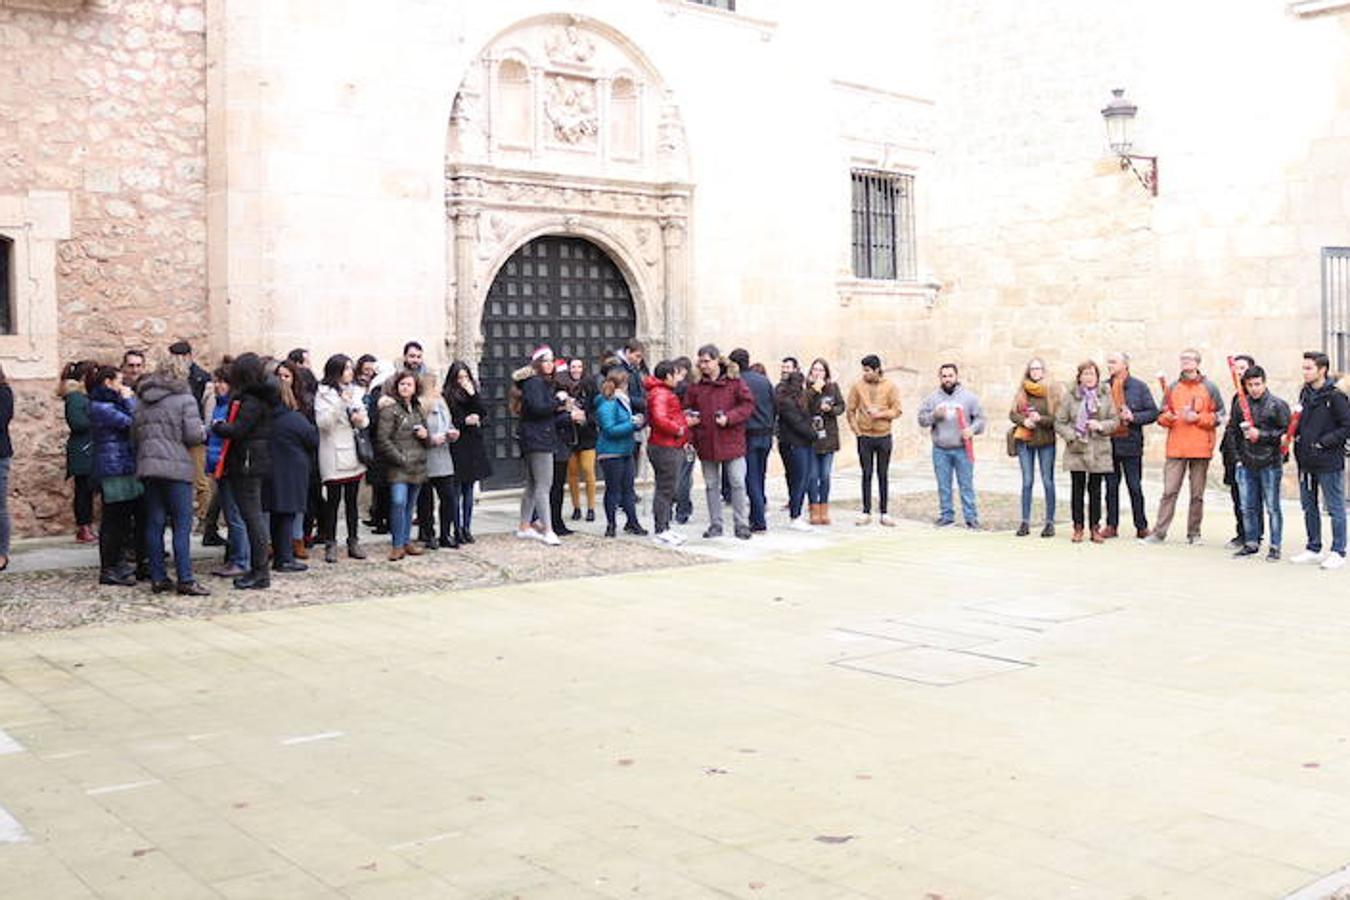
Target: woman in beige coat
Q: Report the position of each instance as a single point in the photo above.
(339, 411)
(1085, 419)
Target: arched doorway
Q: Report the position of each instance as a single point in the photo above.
(562, 291)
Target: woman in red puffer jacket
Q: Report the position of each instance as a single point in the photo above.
(669, 434)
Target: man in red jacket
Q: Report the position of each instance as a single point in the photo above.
(718, 405)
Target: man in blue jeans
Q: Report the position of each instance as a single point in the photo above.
(1260, 464)
(1319, 447)
(953, 415)
(758, 438)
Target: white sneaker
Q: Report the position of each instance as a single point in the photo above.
(887, 521)
(800, 524)
(1333, 561)
(528, 534)
(1307, 556)
(550, 538)
(863, 519)
(674, 538)
(661, 537)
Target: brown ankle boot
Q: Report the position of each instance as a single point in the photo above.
(815, 514)
(825, 514)
(1098, 537)
(1078, 534)
(299, 549)
(395, 554)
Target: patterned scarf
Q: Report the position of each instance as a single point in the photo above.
(1086, 411)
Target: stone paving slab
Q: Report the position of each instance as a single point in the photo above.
(689, 732)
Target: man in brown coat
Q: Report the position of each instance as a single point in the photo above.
(873, 404)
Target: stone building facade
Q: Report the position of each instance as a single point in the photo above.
(250, 174)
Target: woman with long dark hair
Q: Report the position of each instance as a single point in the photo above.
(248, 458)
(534, 398)
(79, 445)
(6, 455)
(469, 453)
(111, 407)
(402, 443)
(825, 402)
(796, 437)
(339, 412)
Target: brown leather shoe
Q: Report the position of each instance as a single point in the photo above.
(1078, 534)
(1143, 533)
(1108, 532)
(1098, 537)
(396, 553)
(299, 549)
(413, 549)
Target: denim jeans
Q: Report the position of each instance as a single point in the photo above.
(798, 461)
(1331, 485)
(402, 502)
(4, 506)
(1260, 490)
(945, 462)
(818, 481)
(619, 473)
(236, 532)
(757, 450)
(1029, 457)
(247, 493)
(466, 504)
(172, 500)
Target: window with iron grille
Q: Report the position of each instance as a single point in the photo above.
(729, 5)
(6, 285)
(1336, 306)
(883, 226)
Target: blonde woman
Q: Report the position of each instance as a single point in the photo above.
(1033, 418)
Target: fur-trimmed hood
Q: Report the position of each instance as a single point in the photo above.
(726, 368)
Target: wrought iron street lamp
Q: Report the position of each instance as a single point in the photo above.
(1119, 115)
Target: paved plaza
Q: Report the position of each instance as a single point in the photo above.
(912, 713)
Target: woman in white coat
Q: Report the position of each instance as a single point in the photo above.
(339, 412)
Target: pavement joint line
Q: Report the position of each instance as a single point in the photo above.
(66, 754)
(118, 788)
(311, 738)
(11, 831)
(204, 737)
(1325, 888)
(8, 744)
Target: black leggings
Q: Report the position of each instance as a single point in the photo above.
(446, 496)
(84, 499)
(1079, 482)
(114, 533)
(248, 495)
(343, 492)
(875, 451)
(555, 493)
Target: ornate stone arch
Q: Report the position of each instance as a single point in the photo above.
(608, 166)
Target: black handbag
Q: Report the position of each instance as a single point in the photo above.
(365, 449)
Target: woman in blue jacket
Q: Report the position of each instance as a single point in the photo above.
(112, 406)
(618, 426)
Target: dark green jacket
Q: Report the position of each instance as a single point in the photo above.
(80, 445)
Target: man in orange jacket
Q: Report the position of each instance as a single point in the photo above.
(1192, 412)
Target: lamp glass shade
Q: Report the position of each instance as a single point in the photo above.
(1119, 116)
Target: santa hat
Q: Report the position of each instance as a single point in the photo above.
(544, 352)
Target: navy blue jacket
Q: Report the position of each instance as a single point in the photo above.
(110, 416)
(762, 421)
(6, 414)
(1323, 427)
(294, 439)
(1140, 401)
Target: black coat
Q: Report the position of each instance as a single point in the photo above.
(1140, 401)
(1323, 428)
(1270, 414)
(293, 442)
(6, 414)
(470, 451)
(250, 434)
(538, 413)
(794, 423)
(585, 393)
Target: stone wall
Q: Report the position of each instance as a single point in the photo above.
(107, 104)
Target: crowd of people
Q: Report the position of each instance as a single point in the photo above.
(276, 451)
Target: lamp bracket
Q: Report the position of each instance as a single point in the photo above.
(1146, 171)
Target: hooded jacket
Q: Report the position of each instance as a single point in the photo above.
(728, 394)
(537, 430)
(336, 420)
(1271, 416)
(946, 432)
(1323, 427)
(403, 452)
(669, 428)
(1191, 440)
(166, 423)
(110, 417)
(250, 434)
(80, 444)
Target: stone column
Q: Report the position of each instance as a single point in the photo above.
(676, 287)
(468, 340)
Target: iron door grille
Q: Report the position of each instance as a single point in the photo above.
(6, 286)
(883, 226)
(1336, 306)
(560, 291)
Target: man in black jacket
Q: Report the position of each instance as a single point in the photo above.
(758, 437)
(1319, 447)
(1137, 409)
(1259, 462)
(1228, 449)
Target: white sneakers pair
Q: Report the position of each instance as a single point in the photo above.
(800, 524)
(546, 537)
(1331, 562)
(865, 519)
(670, 537)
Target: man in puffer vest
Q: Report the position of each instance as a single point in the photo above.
(1192, 413)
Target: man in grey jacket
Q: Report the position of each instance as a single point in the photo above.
(953, 417)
